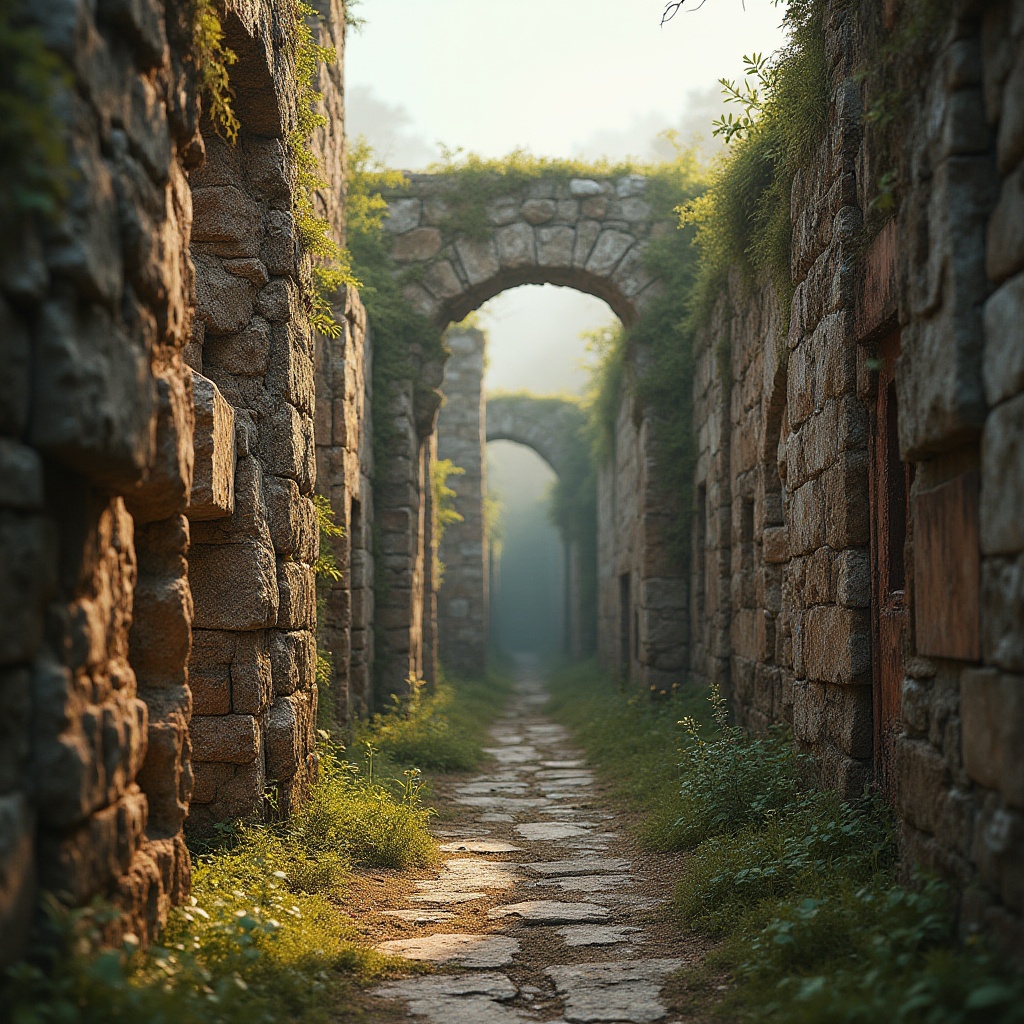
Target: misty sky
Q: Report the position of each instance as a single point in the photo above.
(560, 78)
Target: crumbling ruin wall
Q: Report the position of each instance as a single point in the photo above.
(462, 600)
(643, 599)
(96, 451)
(857, 533)
(157, 467)
(253, 664)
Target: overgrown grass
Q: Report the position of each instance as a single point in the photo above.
(632, 740)
(265, 937)
(443, 730)
(800, 886)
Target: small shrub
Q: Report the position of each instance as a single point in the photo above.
(444, 730)
(730, 782)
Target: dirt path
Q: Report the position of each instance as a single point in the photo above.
(544, 910)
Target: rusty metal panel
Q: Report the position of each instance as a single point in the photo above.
(947, 569)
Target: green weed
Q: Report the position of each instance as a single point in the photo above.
(443, 730)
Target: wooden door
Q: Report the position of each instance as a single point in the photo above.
(889, 495)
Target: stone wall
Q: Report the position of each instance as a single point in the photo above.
(462, 601)
(857, 531)
(251, 566)
(642, 599)
(96, 451)
(156, 441)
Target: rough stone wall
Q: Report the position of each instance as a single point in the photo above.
(462, 600)
(251, 566)
(643, 629)
(96, 456)
(344, 472)
(884, 621)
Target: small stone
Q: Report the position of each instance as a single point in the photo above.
(579, 866)
(421, 916)
(626, 993)
(480, 846)
(552, 912)
(584, 187)
(467, 950)
(595, 934)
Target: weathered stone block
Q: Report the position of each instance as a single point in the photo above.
(234, 586)
(837, 645)
(161, 633)
(287, 446)
(28, 575)
(292, 520)
(1002, 598)
(1005, 249)
(225, 222)
(297, 585)
(213, 481)
(289, 735)
(403, 215)
(226, 739)
(515, 245)
(93, 395)
(224, 302)
(166, 772)
(290, 374)
(1002, 481)
(246, 354)
(921, 774)
(21, 477)
(293, 659)
(608, 250)
(992, 709)
(417, 244)
(1003, 365)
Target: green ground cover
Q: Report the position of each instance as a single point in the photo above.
(266, 937)
(801, 887)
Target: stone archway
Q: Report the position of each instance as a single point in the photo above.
(590, 234)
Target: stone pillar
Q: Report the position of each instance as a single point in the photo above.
(463, 598)
(254, 650)
(343, 446)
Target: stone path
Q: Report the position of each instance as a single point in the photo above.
(538, 914)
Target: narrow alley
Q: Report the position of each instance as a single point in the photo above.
(544, 910)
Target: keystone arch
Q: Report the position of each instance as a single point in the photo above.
(590, 234)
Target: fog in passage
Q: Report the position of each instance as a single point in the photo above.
(527, 591)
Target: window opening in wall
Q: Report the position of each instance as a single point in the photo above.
(747, 533)
(625, 626)
(889, 493)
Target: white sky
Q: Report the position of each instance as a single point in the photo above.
(560, 78)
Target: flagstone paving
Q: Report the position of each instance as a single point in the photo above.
(541, 912)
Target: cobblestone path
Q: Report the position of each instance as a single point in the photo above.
(543, 909)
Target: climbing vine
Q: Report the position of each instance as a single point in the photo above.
(443, 507)
(332, 264)
(743, 219)
(212, 60)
